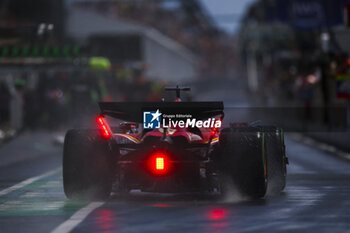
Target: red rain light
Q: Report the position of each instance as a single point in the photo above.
(158, 163)
(104, 128)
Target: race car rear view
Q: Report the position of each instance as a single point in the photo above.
(180, 147)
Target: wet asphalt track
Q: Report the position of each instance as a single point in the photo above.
(316, 199)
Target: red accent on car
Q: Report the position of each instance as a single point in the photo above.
(103, 126)
(215, 129)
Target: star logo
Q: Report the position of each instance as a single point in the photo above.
(151, 120)
(156, 115)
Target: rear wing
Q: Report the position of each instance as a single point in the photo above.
(133, 111)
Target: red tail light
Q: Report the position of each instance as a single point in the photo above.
(215, 129)
(104, 128)
(158, 163)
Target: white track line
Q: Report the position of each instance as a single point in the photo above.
(28, 181)
(320, 145)
(76, 218)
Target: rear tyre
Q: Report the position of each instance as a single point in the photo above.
(87, 165)
(244, 161)
(276, 159)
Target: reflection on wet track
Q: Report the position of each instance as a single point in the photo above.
(316, 199)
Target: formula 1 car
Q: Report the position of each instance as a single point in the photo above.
(189, 151)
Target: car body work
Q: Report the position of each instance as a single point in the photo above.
(172, 147)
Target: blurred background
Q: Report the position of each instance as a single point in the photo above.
(59, 58)
(284, 62)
